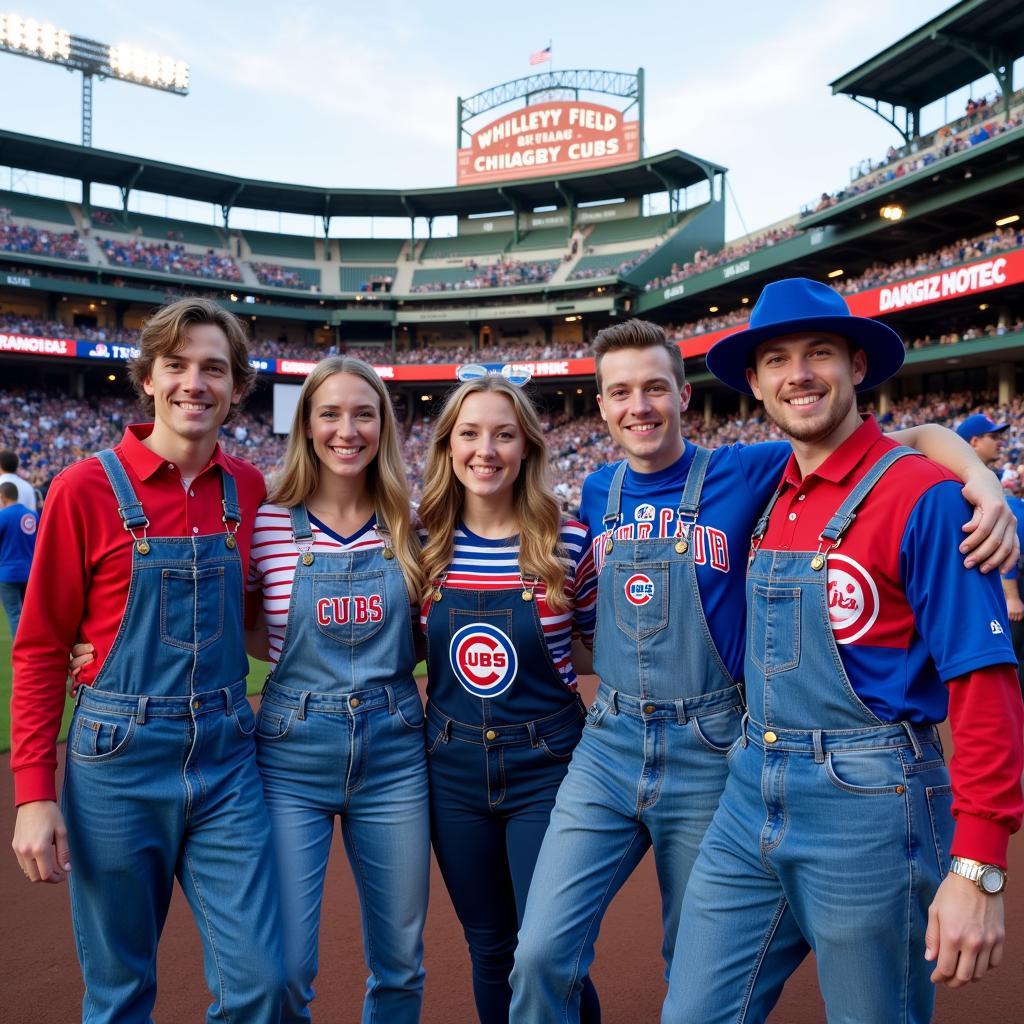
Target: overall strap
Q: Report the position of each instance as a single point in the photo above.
(844, 517)
(301, 530)
(762, 523)
(613, 510)
(229, 499)
(129, 508)
(689, 503)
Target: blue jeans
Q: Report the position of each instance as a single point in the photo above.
(11, 597)
(490, 807)
(638, 778)
(358, 757)
(157, 788)
(839, 849)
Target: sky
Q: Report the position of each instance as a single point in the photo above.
(346, 95)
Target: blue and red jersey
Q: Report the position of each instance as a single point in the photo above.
(738, 483)
(18, 526)
(905, 613)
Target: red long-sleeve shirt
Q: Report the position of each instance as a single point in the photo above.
(79, 582)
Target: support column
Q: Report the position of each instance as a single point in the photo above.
(885, 398)
(744, 406)
(567, 404)
(708, 410)
(1006, 376)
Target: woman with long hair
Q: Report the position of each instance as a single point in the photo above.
(340, 728)
(508, 583)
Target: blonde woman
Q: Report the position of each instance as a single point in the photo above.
(508, 585)
(340, 729)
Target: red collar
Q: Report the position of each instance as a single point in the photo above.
(146, 462)
(843, 461)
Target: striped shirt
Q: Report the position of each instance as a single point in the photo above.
(275, 554)
(479, 563)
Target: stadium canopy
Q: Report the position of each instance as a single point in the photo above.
(972, 39)
(666, 172)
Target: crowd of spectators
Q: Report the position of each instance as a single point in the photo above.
(506, 273)
(13, 323)
(704, 260)
(377, 283)
(48, 430)
(611, 269)
(960, 251)
(948, 142)
(168, 258)
(276, 276)
(22, 238)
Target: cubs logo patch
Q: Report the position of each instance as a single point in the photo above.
(483, 659)
(644, 513)
(639, 589)
(852, 599)
(28, 524)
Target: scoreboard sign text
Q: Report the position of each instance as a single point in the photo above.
(546, 139)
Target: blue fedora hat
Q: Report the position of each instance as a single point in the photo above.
(795, 305)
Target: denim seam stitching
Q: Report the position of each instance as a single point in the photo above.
(748, 991)
(209, 932)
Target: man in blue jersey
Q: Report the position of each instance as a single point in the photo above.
(17, 543)
(671, 526)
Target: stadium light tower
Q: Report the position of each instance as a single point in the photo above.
(27, 37)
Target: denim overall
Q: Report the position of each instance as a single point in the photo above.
(495, 766)
(651, 764)
(340, 733)
(161, 781)
(834, 829)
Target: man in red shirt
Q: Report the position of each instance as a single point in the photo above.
(142, 553)
(834, 831)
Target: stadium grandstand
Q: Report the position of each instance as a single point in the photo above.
(929, 236)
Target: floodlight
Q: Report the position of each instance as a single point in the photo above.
(892, 212)
(839, 272)
(1011, 219)
(26, 37)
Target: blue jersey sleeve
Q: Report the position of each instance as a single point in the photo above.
(763, 464)
(1017, 508)
(960, 614)
(594, 499)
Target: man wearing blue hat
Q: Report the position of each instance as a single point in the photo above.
(982, 434)
(834, 831)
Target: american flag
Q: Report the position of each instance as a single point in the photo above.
(541, 56)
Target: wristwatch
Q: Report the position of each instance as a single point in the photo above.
(990, 879)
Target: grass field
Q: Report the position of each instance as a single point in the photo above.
(257, 673)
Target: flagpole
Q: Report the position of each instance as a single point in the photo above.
(551, 59)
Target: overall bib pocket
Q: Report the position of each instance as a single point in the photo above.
(773, 628)
(201, 591)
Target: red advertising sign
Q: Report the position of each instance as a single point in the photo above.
(940, 286)
(548, 138)
(970, 279)
(26, 345)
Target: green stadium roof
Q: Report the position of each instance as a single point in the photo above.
(671, 170)
(952, 50)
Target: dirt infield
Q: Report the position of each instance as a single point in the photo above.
(40, 983)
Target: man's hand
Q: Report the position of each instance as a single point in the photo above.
(1014, 608)
(41, 842)
(992, 543)
(82, 654)
(965, 932)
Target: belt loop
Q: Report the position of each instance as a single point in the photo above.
(744, 722)
(613, 702)
(908, 728)
(303, 698)
(391, 699)
(531, 728)
(140, 715)
(681, 716)
(819, 749)
(227, 699)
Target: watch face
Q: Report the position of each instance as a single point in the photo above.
(992, 880)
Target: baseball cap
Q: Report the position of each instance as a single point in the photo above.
(978, 424)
